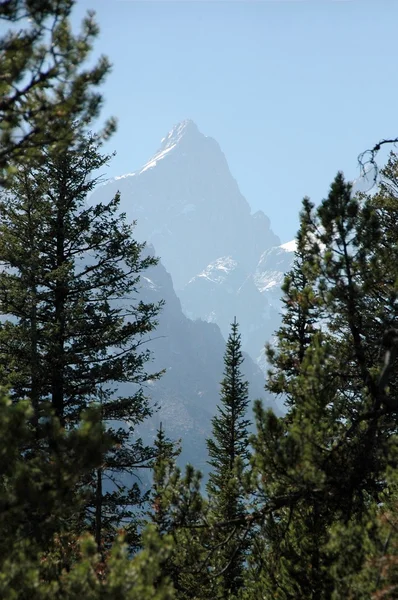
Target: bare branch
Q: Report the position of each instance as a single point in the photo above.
(368, 158)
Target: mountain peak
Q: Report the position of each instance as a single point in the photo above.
(184, 129)
(185, 133)
(188, 205)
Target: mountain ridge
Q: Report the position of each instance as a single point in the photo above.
(187, 203)
(225, 260)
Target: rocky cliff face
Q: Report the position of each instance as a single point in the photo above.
(224, 262)
(226, 289)
(188, 205)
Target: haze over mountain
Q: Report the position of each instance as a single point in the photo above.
(191, 352)
(188, 205)
(226, 289)
(223, 260)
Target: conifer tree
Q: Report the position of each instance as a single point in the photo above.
(42, 554)
(39, 52)
(299, 314)
(70, 280)
(56, 301)
(322, 471)
(178, 511)
(38, 493)
(48, 100)
(166, 451)
(229, 454)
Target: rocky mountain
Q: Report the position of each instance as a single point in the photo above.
(188, 205)
(271, 268)
(225, 289)
(224, 261)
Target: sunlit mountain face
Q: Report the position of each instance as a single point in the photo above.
(224, 260)
(191, 352)
(217, 261)
(188, 205)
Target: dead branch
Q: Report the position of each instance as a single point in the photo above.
(368, 157)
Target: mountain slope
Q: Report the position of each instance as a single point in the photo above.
(225, 262)
(192, 354)
(225, 289)
(188, 205)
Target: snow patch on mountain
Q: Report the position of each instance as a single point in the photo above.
(186, 130)
(289, 246)
(273, 265)
(121, 177)
(225, 260)
(219, 269)
(155, 159)
(178, 132)
(149, 283)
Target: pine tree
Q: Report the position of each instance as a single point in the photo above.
(178, 511)
(38, 493)
(39, 53)
(42, 554)
(299, 314)
(70, 279)
(229, 454)
(166, 451)
(321, 472)
(58, 296)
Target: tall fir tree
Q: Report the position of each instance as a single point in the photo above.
(229, 453)
(70, 280)
(44, 89)
(166, 451)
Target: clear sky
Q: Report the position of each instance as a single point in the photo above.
(292, 90)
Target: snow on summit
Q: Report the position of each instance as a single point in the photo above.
(189, 206)
(182, 132)
(155, 159)
(224, 259)
(176, 134)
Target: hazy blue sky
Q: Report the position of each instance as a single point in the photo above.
(292, 90)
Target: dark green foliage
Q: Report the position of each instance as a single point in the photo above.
(191, 561)
(229, 454)
(230, 425)
(70, 278)
(177, 512)
(314, 515)
(38, 493)
(301, 308)
(166, 452)
(42, 556)
(321, 471)
(74, 332)
(42, 80)
(70, 272)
